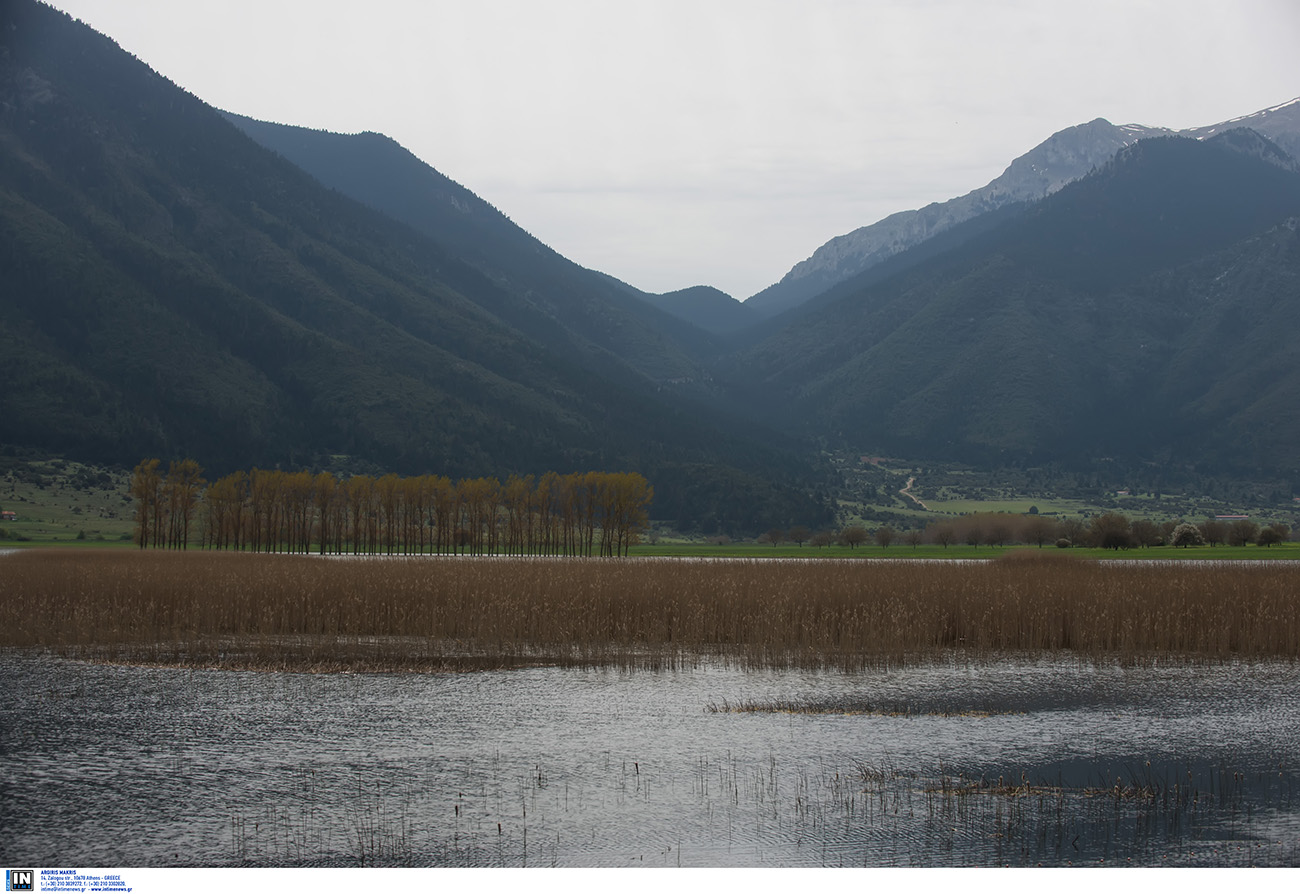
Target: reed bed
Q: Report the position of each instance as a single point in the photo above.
(431, 613)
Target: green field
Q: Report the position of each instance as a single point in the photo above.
(872, 494)
(64, 503)
(956, 551)
(1049, 506)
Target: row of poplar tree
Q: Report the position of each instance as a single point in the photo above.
(579, 514)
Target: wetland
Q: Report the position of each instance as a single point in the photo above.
(148, 723)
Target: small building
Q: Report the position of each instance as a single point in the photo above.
(8, 516)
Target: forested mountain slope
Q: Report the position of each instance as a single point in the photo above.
(1145, 311)
(172, 288)
(666, 343)
(568, 302)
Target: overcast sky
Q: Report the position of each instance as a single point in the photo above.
(714, 142)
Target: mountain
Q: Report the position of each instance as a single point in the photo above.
(587, 310)
(1062, 158)
(1141, 312)
(670, 329)
(1281, 124)
(1065, 156)
(173, 288)
(706, 307)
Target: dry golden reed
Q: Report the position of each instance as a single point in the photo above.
(426, 613)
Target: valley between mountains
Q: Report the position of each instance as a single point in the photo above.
(181, 281)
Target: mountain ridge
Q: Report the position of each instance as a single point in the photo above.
(380, 173)
(1055, 333)
(1061, 158)
(175, 289)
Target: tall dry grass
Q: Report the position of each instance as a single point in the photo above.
(428, 613)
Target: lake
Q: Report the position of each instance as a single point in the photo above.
(1022, 760)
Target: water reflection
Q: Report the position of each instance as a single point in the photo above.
(1023, 761)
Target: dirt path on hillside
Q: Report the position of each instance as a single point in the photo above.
(907, 492)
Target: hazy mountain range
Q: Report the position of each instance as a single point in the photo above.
(183, 281)
(1060, 159)
(1145, 312)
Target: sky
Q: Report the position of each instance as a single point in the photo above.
(712, 142)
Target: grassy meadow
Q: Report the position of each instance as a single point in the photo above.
(935, 552)
(312, 613)
(65, 503)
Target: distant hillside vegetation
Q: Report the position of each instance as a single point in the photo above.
(559, 302)
(174, 289)
(1143, 312)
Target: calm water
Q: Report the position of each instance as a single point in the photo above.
(104, 766)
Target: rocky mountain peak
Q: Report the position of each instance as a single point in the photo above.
(1063, 157)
